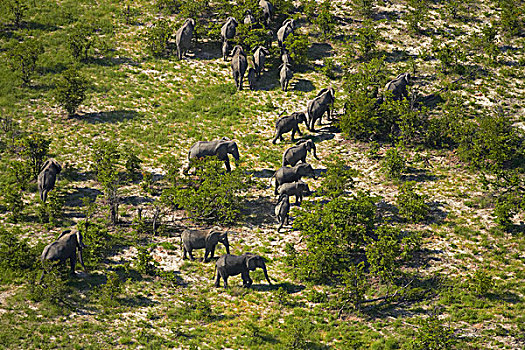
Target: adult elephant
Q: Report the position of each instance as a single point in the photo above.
(286, 29)
(47, 177)
(285, 75)
(65, 247)
(268, 10)
(239, 65)
(259, 58)
(231, 265)
(398, 86)
(286, 175)
(297, 153)
(228, 29)
(183, 37)
(218, 148)
(318, 106)
(289, 123)
(199, 239)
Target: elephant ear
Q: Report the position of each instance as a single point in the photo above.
(80, 244)
(251, 262)
(46, 164)
(213, 237)
(65, 232)
(58, 166)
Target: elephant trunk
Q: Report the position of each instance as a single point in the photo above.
(266, 274)
(227, 246)
(80, 258)
(314, 151)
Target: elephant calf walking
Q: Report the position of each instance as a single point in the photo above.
(47, 178)
(65, 247)
(208, 239)
(282, 210)
(231, 265)
(289, 123)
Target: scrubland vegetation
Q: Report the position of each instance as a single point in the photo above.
(413, 237)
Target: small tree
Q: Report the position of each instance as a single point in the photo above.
(157, 37)
(412, 206)
(16, 9)
(106, 157)
(367, 37)
(70, 90)
(325, 19)
(80, 40)
(338, 179)
(13, 201)
(34, 149)
(394, 163)
(297, 44)
(22, 58)
(363, 8)
(417, 11)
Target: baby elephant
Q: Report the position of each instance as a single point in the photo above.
(65, 247)
(198, 239)
(231, 265)
(297, 189)
(282, 209)
(48, 177)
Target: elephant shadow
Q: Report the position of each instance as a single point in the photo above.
(303, 85)
(318, 51)
(108, 117)
(290, 288)
(264, 173)
(75, 199)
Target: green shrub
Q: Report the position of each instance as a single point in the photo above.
(70, 90)
(412, 206)
(34, 149)
(16, 255)
(106, 157)
(450, 56)
(433, 334)
(338, 179)
(297, 45)
(480, 283)
(13, 201)
(15, 10)
(132, 164)
(417, 11)
(80, 40)
(454, 8)
(511, 17)
(144, 262)
(333, 233)
(157, 37)
(110, 291)
(98, 242)
(168, 6)
(213, 196)
(394, 163)
(250, 39)
(367, 38)
(354, 284)
(325, 19)
(363, 8)
(197, 308)
(23, 57)
(505, 208)
(297, 334)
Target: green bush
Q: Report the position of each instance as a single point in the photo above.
(450, 55)
(417, 11)
(157, 37)
(333, 233)
(367, 37)
(480, 283)
(250, 39)
(70, 90)
(297, 45)
(98, 242)
(34, 149)
(110, 291)
(363, 8)
(212, 195)
(13, 201)
(511, 17)
(16, 255)
(432, 334)
(80, 40)
(106, 157)
(337, 179)
(132, 164)
(15, 10)
(505, 208)
(23, 57)
(394, 163)
(144, 262)
(412, 206)
(297, 334)
(325, 19)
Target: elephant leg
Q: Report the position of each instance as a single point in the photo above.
(298, 130)
(293, 134)
(73, 261)
(225, 278)
(227, 163)
(184, 252)
(217, 278)
(191, 254)
(240, 83)
(246, 280)
(277, 136)
(212, 252)
(276, 187)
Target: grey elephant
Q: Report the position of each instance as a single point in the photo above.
(286, 29)
(249, 20)
(297, 189)
(219, 148)
(183, 37)
(297, 153)
(251, 78)
(231, 265)
(199, 239)
(229, 28)
(285, 75)
(268, 10)
(285, 57)
(259, 58)
(282, 209)
(226, 47)
(289, 123)
(239, 65)
(65, 247)
(398, 86)
(286, 175)
(47, 177)
(318, 106)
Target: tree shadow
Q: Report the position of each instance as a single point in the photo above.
(303, 85)
(208, 50)
(318, 51)
(259, 211)
(108, 117)
(290, 288)
(111, 61)
(419, 175)
(437, 215)
(75, 199)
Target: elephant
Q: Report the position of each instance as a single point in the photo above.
(65, 247)
(208, 239)
(318, 106)
(249, 20)
(297, 189)
(286, 175)
(226, 47)
(219, 148)
(398, 86)
(289, 123)
(297, 153)
(268, 10)
(47, 177)
(239, 65)
(229, 28)
(231, 265)
(183, 37)
(285, 75)
(286, 29)
(282, 210)
(285, 57)
(251, 78)
(259, 57)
